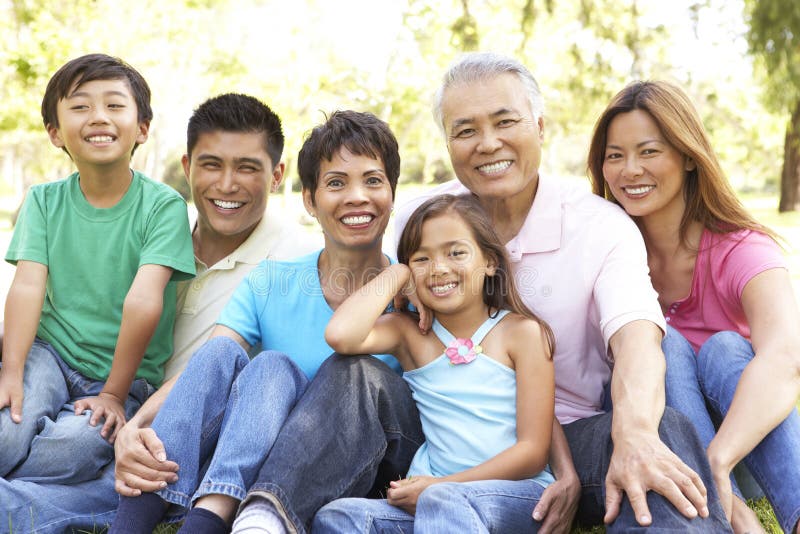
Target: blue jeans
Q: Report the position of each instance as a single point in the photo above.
(701, 386)
(58, 508)
(221, 418)
(53, 445)
(355, 429)
(591, 446)
(471, 507)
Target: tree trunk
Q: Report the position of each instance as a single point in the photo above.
(790, 176)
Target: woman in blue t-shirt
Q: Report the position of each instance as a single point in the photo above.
(224, 413)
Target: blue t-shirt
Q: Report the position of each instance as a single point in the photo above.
(280, 305)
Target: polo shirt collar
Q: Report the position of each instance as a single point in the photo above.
(541, 231)
(256, 247)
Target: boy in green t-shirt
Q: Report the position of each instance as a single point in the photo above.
(90, 312)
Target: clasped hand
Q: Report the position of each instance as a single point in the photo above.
(141, 462)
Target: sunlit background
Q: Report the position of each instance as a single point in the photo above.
(306, 58)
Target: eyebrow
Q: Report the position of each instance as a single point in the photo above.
(365, 173)
(77, 94)
(444, 245)
(646, 141)
(467, 120)
(238, 161)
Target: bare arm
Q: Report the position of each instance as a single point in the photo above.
(770, 384)
(141, 313)
(357, 325)
(23, 310)
(559, 502)
(640, 461)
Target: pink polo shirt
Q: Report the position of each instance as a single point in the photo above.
(724, 265)
(580, 264)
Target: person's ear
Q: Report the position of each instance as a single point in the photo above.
(277, 177)
(308, 202)
(186, 164)
(144, 129)
(690, 164)
(540, 122)
(54, 134)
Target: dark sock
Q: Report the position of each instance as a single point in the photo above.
(202, 521)
(138, 514)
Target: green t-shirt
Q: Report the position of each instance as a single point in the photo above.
(92, 255)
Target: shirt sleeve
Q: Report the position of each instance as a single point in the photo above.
(241, 313)
(623, 291)
(748, 254)
(29, 241)
(168, 240)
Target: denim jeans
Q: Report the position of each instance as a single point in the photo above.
(471, 507)
(221, 418)
(355, 429)
(702, 386)
(52, 444)
(27, 507)
(591, 446)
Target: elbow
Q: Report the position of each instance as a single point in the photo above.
(336, 339)
(536, 459)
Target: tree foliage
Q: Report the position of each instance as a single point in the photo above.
(774, 38)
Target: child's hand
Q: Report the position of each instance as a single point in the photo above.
(11, 394)
(104, 405)
(409, 294)
(404, 493)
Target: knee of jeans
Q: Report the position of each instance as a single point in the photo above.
(437, 495)
(273, 365)
(215, 354)
(676, 430)
(676, 347)
(349, 369)
(338, 514)
(722, 348)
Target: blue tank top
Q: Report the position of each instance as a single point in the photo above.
(468, 410)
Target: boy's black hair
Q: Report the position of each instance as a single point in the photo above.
(232, 112)
(361, 133)
(89, 68)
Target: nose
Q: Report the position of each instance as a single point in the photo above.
(489, 142)
(227, 182)
(632, 168)
(98, 115)
(356, 194)
(439, 265)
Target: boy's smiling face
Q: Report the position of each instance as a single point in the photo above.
(98, 124)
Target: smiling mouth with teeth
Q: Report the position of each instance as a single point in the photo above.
(436, 290)
(227, 204)
(639, 190)
(355, 221)
(495, 167)
(100, 139)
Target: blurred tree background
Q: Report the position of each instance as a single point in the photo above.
(738, 59)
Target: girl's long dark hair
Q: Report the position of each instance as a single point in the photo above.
(499, 290)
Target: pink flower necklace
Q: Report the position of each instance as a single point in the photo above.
(462, 350)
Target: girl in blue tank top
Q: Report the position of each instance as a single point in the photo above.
(483, 380)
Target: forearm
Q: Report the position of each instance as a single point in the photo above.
(560, 455)
(22, 313)
(140, 317)
(766, 393)
(355, 318)
(520, 461)
(637, 382)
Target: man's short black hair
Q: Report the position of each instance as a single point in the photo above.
(232, 112)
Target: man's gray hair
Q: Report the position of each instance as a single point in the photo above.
(478, 66)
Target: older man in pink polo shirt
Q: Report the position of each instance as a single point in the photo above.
(579, 263)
